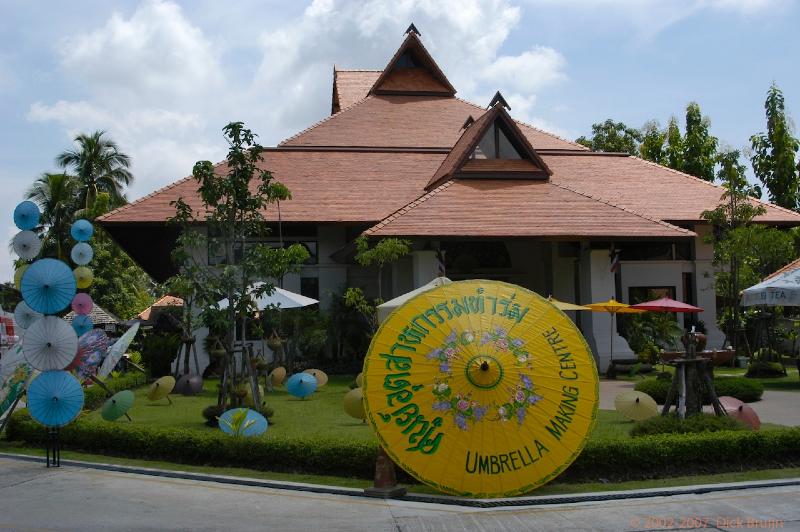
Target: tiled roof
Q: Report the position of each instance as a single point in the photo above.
(511, 208)
(98, 314)
(326, 186)
(407, 121)
(165, 301)
(646, 187)
(789, 267)
(351, 86)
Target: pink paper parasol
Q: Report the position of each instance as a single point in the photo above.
(82, 303)
(666, 304)
(741, 411)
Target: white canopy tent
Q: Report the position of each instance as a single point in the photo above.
(279, 297)
(781, 290)
(386, 308)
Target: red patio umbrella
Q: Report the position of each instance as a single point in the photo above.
(666, 304)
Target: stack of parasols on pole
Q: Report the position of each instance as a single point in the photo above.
(51, 349)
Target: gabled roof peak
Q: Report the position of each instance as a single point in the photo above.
(412, 29)
(491, 147)
(468, 122)
(412, 71)
(498, 98)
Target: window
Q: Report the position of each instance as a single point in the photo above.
(495, 144)
(640, 294)
(309, 287)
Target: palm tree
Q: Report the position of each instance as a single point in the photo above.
(56, 196)
(99, 166)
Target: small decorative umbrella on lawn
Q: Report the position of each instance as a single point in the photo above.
(636, 406)
(301, 385)
(613, 307)
(277, 376)
(161, 389)
(117, 405)
(321, 376)
(48, 286)
(243, 422)
(741, 411)
(354, 404)
(50, 344)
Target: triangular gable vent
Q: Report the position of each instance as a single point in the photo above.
(413, 71)
(493, 147)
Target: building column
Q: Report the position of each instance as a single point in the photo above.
(425, 267)
(705, 285)
(597, 284)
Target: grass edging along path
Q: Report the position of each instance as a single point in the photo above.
(608, 459)
(553, 488)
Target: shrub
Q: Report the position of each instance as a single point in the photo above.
(744, 389)
(629, 459)
(672, 424)
(95, 396)
(159, 350)
(760, 368)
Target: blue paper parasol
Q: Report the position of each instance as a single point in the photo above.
(55, 398)
(301, 385)
(26, 215)
(81, 253)
(48, 286)
(82, 230)
(253, 424)
(82, 324)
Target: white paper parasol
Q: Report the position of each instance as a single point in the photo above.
(50, 343)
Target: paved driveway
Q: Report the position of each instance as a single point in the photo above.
(71, 498)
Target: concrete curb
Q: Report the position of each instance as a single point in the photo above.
(422, 498)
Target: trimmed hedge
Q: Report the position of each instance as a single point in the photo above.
(617, 460)
(672, 424)
(95, 396)
(744, 389)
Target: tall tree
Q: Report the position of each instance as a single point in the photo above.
(99, 166)
(653, 139)
(233, 212)
(699, 146)
(774, 153)
(673, 152)
(55, 196)
(384, 252)
(734, 238)
(610, 136)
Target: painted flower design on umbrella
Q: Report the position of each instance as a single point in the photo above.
(446, 353)
(499, 339)
(522, 397)
(461, 406)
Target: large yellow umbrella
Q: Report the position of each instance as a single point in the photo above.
(480, 388)
(613, 307)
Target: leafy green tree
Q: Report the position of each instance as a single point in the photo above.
(99, 166)
(233, 204)
(610, 136)
(55, 196)
(673, 151)
(653, 140)
(120, 285)
(774, 153)
(699, 146)
(737, 244)
(384, 252)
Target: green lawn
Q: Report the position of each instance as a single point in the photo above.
(321, 414)
(790, 383)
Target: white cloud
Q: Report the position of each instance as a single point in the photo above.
(529, 71)
(154, 53)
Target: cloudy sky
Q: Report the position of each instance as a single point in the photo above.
(163, 77)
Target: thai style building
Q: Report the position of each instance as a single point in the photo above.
(480, 194)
